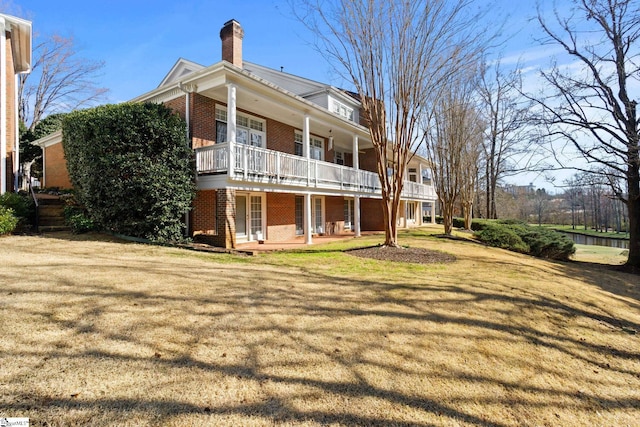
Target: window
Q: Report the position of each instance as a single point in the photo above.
(342, 110)
(426, 176)
(348, 214)
(318, 215)
(411, 211)
(299, 215)
(221, 125)
(413, 175)
(339, 158)
(316, 146)
(299, 150)
(249, 130)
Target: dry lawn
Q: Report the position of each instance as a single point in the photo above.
(101, 333)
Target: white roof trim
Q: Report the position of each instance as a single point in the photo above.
(178, 70)
(49, 140)
(21, 36)
(169, 91)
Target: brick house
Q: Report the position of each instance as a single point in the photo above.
(277, 155)
(15, 58)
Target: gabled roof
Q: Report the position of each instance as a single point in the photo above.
(181, 68)
(294, 84)
(20, 42)
(301, 86)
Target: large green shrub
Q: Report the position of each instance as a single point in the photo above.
(76, 216)
(521, 237)
(131, 168)
(8, 221)
(22, 206)
(497, 235)
(545, 243)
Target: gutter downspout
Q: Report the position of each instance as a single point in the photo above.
(188, 89)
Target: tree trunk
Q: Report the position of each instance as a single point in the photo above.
(447, 217)
(467, 210)
(391, 223)
(633, 206)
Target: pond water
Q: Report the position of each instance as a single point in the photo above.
(581, 239)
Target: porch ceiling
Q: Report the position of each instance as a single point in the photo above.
(288, 111)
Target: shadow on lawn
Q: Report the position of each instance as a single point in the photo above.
(302, 347)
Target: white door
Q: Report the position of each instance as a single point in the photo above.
(241, 217)
(250, 217)
(255, 215)
(317, 215)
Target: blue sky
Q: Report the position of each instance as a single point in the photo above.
(140, 40)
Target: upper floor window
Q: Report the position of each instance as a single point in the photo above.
(316, 146)
(342, 110)
(413, 175)
(339, 158)
(249, 130)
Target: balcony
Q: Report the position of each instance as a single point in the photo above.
(260, 165)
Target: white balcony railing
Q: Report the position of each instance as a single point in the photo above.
(259, 164)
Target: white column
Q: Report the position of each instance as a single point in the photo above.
(356, 215)
(3, 107)
(433, 212)
(356, 160)
(356, 200)
(306, 149)
(307, 218)
(231, 127)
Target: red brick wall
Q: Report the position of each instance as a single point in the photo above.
(56, 174)
(348, 159)
(225, 218)
(368, 160)
(203, 215)
(281, 218)
(371, 216)
(203, 121)
(9, 126)
(334, 214)
(280, 137)
(177, 105)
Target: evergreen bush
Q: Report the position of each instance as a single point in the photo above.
(503, 237)
(520, 237)
(131, 168)
(8, 220)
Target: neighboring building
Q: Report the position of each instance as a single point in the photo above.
(15, 58)
(277, 155)
(515, 190)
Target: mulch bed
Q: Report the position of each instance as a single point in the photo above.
(413, 255)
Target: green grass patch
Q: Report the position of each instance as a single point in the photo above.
(588, 231)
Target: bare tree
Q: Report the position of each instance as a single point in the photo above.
(506, 112)
(593, 109)
(398, 55)
(453, 135)
(60, 81)
(470, 157)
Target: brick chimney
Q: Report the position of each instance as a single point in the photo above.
(231, 35)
